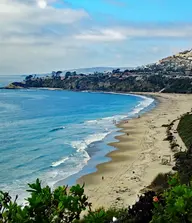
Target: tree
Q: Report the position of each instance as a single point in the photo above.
(53, 74)
(74, 73)
(58, 73)
(116, 71)
(67, 74)
(28, 78)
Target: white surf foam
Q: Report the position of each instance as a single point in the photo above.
(59, 162)
(82, 145)
(142, 105)
(106, 119)
(54, 176)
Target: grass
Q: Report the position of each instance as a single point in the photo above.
(185, 129)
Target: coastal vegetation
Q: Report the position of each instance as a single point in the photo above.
(167, 199)
(118, 82)
(44, 205)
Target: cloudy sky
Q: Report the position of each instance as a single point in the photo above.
(38, 36)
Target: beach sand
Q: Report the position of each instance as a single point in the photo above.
(137, 160)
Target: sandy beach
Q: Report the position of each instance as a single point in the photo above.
(137, 160)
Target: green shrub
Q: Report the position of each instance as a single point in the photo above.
(44, 205)
(177, 206)
(141, 211)
(103, 216)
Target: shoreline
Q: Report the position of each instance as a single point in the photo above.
(151, 103)
(136, 161)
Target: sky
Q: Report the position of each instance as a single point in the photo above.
(40, 36)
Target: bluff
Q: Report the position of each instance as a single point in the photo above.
(172, 74)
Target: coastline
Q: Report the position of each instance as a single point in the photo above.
(147, 104)
(137, 158)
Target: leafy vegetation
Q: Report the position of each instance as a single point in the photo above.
(176, 206)
(125, 81)
(104, 216)
(141, 211)
(173, 205)
(44, 205)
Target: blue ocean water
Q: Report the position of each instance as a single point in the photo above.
(57, 135)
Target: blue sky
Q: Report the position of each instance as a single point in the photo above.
(138, 10)
(38, 36)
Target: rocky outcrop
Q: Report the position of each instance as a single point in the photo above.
(16, 85)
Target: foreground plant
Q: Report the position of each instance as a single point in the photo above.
(102, 215)
(45, 206)
(176, 206)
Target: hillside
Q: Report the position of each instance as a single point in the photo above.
(178, 64)
(182, 60)
(172, 75)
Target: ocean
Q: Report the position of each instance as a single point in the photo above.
(56, 135)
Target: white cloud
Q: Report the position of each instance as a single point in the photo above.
(102, 35)
(35, 40)
(31, 36)
(159, 31)
(17, 13)
(128, 32)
